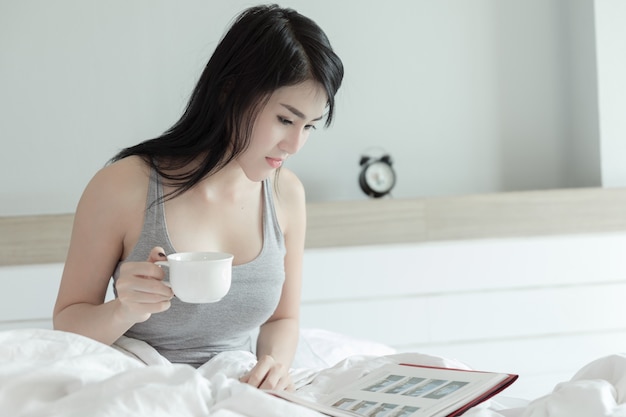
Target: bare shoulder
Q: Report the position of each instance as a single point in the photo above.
(117, 186)
(290, 200)
(128, 169)
(289, 187)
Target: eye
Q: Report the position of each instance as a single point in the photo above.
(284, 121)
(310, 127)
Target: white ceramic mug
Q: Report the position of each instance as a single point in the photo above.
(199, 277)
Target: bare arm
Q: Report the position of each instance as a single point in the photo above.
(108, 209)
(278, 337)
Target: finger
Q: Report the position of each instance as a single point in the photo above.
(145, 298)
(143, 270)
(255, 377)
(144, 303)
(258, 373)
(276, 379)
(152, 293)
(271, 381)
(139, 312)
(157, 254)
(268, 374)
(134, 283)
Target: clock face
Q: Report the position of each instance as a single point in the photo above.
(379, 177)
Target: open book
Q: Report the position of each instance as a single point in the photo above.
(403, 390)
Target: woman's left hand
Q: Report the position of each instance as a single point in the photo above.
(269, 374)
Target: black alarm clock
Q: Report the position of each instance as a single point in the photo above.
(377, 177)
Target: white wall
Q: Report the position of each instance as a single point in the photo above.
(581, 141)
(611, 44)
(468, 97)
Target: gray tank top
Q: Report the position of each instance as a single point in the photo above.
(194, 333)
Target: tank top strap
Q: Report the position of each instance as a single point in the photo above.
(270, 220)
(154, 200)
(154, 214)
(154, 226)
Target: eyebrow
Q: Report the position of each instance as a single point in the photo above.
(298, 112)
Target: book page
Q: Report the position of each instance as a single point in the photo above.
(409, 391)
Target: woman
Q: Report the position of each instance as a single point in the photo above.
(207, 184)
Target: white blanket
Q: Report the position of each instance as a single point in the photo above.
(597, 390)
(52, 373)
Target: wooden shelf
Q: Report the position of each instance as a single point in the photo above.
(45, 238)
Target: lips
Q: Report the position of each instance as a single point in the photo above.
(274, 162)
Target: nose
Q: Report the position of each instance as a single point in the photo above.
(293, 142)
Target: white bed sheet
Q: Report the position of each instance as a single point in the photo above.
(52, 373)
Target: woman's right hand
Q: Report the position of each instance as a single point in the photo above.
(140, 288)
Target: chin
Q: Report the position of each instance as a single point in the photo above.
(259, 177)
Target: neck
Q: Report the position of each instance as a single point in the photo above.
(228, 184)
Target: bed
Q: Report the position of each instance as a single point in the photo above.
(526, 282)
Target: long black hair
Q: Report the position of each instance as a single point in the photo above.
(267, 47)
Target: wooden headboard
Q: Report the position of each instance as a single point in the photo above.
(26, 240)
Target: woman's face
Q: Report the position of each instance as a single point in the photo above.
(282, 127)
